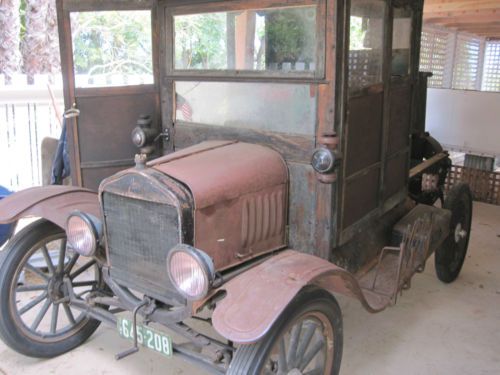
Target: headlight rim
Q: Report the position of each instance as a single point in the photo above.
(89, 222)
(205, 262)
(331, 162)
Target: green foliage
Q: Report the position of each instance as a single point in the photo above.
(200, 41)
(112, 42)
(357, 34)
(286, 35)
(22, 16)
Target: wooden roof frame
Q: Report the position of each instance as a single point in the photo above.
(479, 17)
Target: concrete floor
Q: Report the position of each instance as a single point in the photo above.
(434, 329)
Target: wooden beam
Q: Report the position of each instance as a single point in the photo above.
(467, 19)
(480, 25)
(437, 6)
(491, 28)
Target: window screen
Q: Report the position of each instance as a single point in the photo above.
(466, 64)
(434, 55)
(491, 70)
(401, 42)
(366, 44)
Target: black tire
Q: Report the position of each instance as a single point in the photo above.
(251, 359)
(450, 257)
(15, 260)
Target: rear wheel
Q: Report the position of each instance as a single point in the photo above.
(450, 257)
(306, 339)
(35, 317)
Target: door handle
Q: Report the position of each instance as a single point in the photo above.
(72, 112)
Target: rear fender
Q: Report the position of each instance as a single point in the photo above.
(53, 203)
(255, 299)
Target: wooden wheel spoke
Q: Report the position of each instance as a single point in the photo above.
(71, 263)
(316, 371)
(305, 340)
(40, 315)
(311, 354)
(282, 365)
(31, 288)
(48, 260)
(82, 269)
(294, 342)
(62, 256)
(37, 271)
(68, 313)
(33, 303)
(53, 320)
(79, 284)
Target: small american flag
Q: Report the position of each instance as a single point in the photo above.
(183, 106)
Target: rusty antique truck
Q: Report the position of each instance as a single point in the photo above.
(283, 166)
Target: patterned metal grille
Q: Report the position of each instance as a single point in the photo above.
(485, 186)
(466, 64)
(139, 236)
(434, 55)
(491, 70)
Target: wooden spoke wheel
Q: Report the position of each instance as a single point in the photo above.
(450, 257)
(306, 339)
(36, 267)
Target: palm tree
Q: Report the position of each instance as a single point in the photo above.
(35, 40)
(10, 56)
(53, 59)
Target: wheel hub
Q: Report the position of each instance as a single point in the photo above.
(56, 288)
(460, 233)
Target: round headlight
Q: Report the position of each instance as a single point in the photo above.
(139, 137)
(323, 160)
(191, 271)
(82, 231)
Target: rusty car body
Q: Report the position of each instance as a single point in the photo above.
(281, 183)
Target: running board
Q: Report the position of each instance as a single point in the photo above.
(414, 238)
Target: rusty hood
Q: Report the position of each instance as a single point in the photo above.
(219, 171)
(239, 192)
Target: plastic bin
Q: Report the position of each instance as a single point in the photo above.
(6, 230)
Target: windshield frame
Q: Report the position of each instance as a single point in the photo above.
(235, 74)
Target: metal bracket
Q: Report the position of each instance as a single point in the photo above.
(72, 112)
(165, 134)
(135, 348)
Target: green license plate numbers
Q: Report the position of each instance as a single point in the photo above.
(147, 337)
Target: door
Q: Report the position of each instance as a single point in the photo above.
(400, 103)
(364, 133)
(110, 70)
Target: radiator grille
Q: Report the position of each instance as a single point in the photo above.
(139, 236)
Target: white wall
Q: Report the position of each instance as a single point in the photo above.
(467, 121)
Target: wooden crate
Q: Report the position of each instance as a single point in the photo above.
(485, 186)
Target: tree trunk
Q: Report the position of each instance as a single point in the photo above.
(10, 57)
(40, 46)
(52, 51)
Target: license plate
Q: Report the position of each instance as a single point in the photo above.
(147, 337)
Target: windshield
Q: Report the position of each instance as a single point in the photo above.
(265, 40)
(213, 49)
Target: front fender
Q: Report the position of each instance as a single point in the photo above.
(53, 203)
(255, 299)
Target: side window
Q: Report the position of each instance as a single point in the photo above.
(366, 44)
(112, 48)
(401, 42)
(280, 40)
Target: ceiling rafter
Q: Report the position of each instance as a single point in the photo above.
(480, 17)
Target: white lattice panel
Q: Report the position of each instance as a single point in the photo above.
(466, 64)
(434, 55)
(491, 70)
